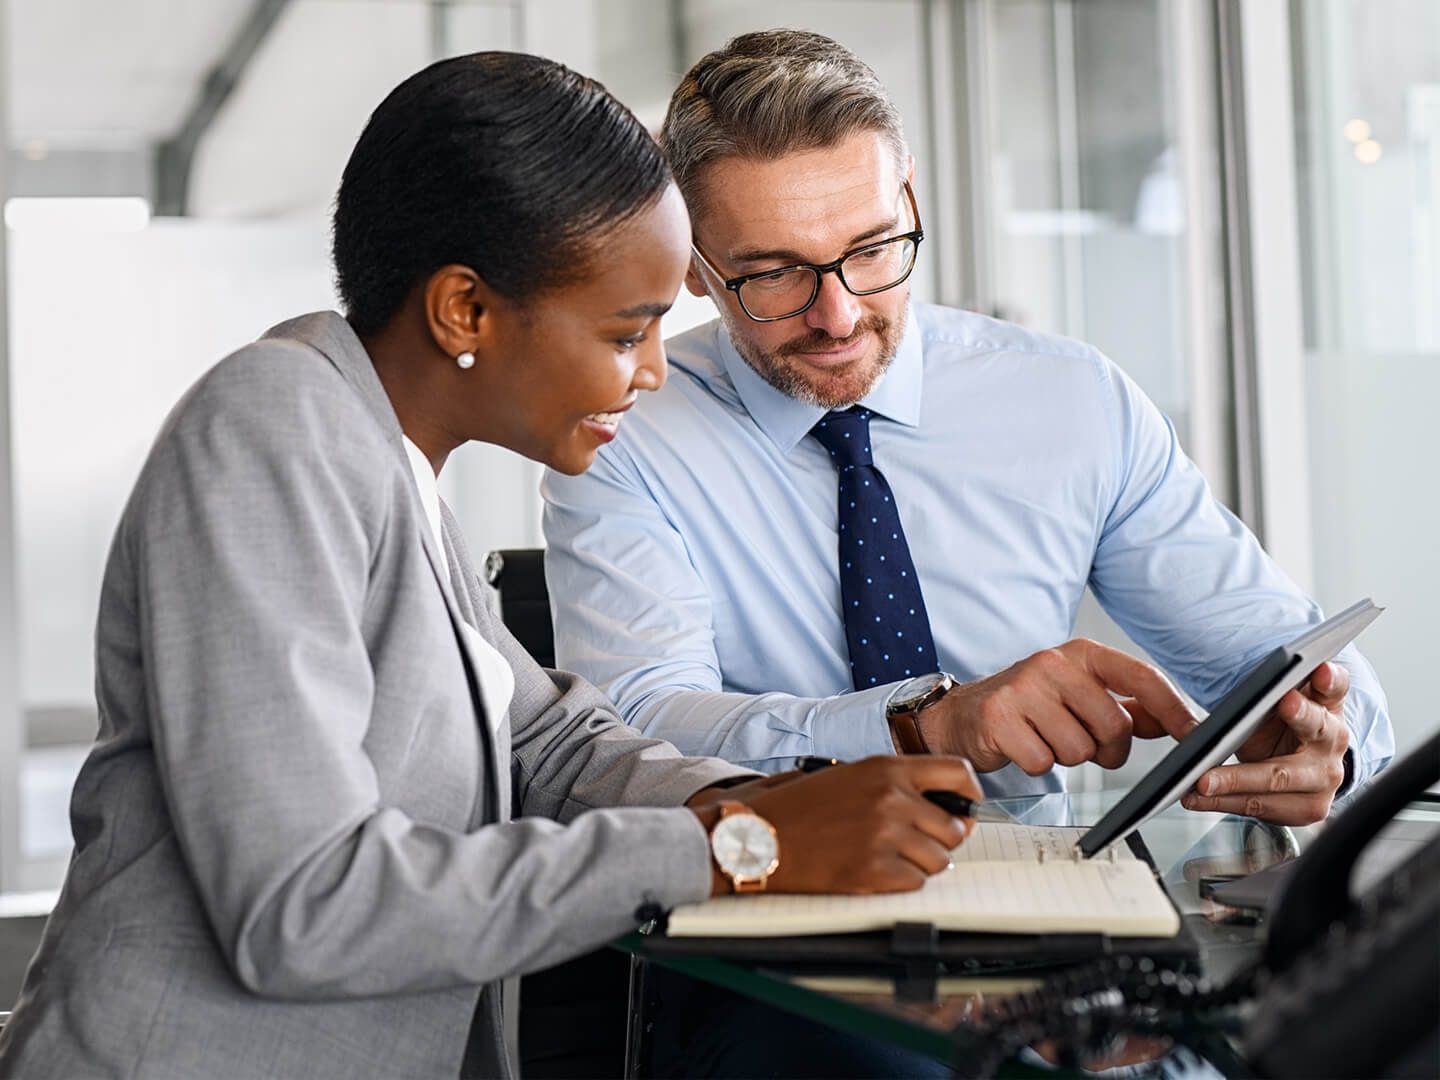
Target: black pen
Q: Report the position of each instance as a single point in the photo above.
(949, 801)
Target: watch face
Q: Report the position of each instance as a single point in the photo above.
(919, 692)
(745, 846)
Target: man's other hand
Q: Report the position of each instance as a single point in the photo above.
(1056, 708)
(1294, 763)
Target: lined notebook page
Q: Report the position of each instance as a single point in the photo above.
(998, 842)
(999, 883)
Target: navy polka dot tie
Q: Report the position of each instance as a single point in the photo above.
(886, 627)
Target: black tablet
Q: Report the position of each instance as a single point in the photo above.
(1229, 724)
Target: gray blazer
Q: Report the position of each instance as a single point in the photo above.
(299, 851)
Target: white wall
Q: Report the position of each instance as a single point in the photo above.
(106, 331)
(12, 730)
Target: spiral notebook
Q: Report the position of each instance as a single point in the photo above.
(1006, 879)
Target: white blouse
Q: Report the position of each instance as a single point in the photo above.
(497, 681)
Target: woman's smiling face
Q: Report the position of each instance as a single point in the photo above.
(556, 372)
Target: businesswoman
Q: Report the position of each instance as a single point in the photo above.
(332, 801)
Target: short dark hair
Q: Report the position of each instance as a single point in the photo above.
(509, 164)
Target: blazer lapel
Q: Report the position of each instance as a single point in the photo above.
(331, 335)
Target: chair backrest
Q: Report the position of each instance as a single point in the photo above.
(518, 575)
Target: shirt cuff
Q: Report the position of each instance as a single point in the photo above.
(853, 726)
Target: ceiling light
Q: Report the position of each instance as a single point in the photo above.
(1357, 130)
(1368, 152)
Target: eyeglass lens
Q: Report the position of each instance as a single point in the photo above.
(871, 269)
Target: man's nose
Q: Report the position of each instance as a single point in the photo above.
(836, 310)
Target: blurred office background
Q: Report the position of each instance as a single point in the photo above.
(1238, 200)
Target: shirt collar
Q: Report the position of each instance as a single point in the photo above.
(429, 490)
(786, 421)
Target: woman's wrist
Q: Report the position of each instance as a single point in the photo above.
(708, 814)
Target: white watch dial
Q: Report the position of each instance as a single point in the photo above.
(744, 846)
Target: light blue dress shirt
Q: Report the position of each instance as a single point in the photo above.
(693, 576)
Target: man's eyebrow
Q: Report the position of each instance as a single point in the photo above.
(750, 255)
(654, 311)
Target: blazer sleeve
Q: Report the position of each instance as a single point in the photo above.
(570, 750)
(249, 540)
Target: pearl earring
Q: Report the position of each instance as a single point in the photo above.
(466, 360)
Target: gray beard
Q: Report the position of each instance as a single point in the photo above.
(776, 370)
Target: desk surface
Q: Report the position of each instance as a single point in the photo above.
(1187, 847)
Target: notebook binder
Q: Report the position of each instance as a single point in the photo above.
(1006, 878)
(915, 954)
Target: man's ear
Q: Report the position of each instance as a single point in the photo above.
(693, 282)
(459, 308)
(910, 169)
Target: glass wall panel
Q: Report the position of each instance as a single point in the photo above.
(1092, 211)
(1368, 163)
(1096, 157)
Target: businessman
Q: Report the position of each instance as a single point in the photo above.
(852, 524)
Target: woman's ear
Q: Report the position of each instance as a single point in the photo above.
(460, 309)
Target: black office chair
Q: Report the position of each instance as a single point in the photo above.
(518, 575)
(573, 1016)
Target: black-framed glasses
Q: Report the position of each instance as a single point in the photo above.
(787, 291)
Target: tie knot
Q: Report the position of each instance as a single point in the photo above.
(846, 434)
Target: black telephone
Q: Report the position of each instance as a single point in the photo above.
(1347, 987)
(1350, 986)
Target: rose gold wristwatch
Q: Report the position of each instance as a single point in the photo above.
(745, 847)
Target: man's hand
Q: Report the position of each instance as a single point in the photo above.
(1293, 764)
(861, 828)
(1055, 707)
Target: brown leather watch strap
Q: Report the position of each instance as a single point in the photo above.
(902, 716)
(906, 733)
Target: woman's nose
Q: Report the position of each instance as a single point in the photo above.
(650, 365)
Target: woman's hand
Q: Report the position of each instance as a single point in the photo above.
(714, 796)
(861, 828)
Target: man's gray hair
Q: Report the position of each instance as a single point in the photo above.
(771, 93)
